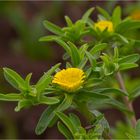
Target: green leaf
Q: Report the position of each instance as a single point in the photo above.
(103, 12)
(69, 22)
(57, 40)
(136, 43)
(10, 97)
(28, 78)
(130, 58)
(46, 79)
(87, 96)
(22, 104)
(91, 82)
(48, 115)
(82, 50)
(66, 103)
(66, 56)
(92, 60)
(68, 65)
(65, 119)
(111, 90)
(53, 28)
(138, 130)
(75, 56)
(100, 119)
(83, 63)
(48, 38)
(121, 38)
(63, 129)
(75, 120)
(14, 79)
(87, 14)
(134, 94)
(97, 48)
(127, 25)
(109, 68)
(126, 66)
(100, 17)
(116, 16)
(45, 119)
(88, 72)
(41, 86)
(48, 100)
(119, 105)
(63, 44)
(116, 54)
(106, 59)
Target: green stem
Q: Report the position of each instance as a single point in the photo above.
(126, 99)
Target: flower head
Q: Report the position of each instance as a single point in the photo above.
(135, 15)
(102, 25)
(70, 79)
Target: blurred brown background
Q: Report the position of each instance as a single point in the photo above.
(20, 28)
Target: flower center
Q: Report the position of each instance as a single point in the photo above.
(70, 79)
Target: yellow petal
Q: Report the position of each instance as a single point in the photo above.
(103, 24)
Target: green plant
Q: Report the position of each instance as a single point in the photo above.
(91, 80)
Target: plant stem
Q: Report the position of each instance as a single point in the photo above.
(126, 99)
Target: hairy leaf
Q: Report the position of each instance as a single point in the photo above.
(14, 79)
(53, 28)
(63, 129)
(48, 115)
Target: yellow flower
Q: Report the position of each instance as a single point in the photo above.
(70, 79)
(135, 15)
(103, 24)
